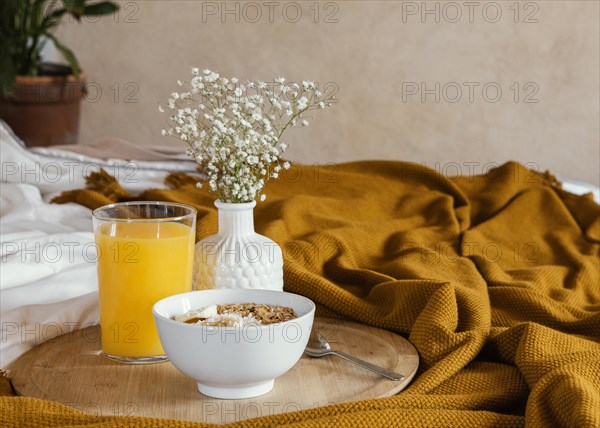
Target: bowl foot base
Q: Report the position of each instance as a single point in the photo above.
(236, 392)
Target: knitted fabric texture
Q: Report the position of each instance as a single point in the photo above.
(495, 279)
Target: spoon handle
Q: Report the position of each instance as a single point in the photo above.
(379, 370)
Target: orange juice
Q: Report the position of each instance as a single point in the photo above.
(139, 263)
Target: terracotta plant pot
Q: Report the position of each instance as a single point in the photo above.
(44, 110)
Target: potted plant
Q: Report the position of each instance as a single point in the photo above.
(41, 101)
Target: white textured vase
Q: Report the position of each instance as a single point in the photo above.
(238, 257)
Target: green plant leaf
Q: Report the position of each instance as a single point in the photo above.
(9, 9)
(54, 17)
(37, 13)
(7, 75)
(67, 53)
(75, 7)
(102, 8)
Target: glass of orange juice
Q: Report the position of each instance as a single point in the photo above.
(145, 253)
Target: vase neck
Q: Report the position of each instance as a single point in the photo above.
(236, 219)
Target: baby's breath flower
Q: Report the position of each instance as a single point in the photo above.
(233, 130)
(302, 103)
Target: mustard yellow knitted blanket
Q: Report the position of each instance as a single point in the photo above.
(494, 278)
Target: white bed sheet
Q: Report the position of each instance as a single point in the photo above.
(48, 283)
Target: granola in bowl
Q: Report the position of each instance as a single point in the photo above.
(237, 315)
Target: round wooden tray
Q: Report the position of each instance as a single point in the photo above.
(71, 370)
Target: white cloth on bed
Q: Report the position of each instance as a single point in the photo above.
(45, 282)
(48, 282)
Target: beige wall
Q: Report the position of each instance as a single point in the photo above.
(372, 53)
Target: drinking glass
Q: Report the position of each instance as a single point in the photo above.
(145, 253)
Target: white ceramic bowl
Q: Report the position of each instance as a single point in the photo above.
(230, 362)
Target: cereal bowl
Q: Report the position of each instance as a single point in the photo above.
(233, 362)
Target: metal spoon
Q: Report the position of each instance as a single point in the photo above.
(318, 346)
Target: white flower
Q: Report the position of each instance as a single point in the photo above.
(304, 122)
(302, 103)
(233, 131)
(211, 77)
(263, 197)
(267, 124)
(161, 109)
